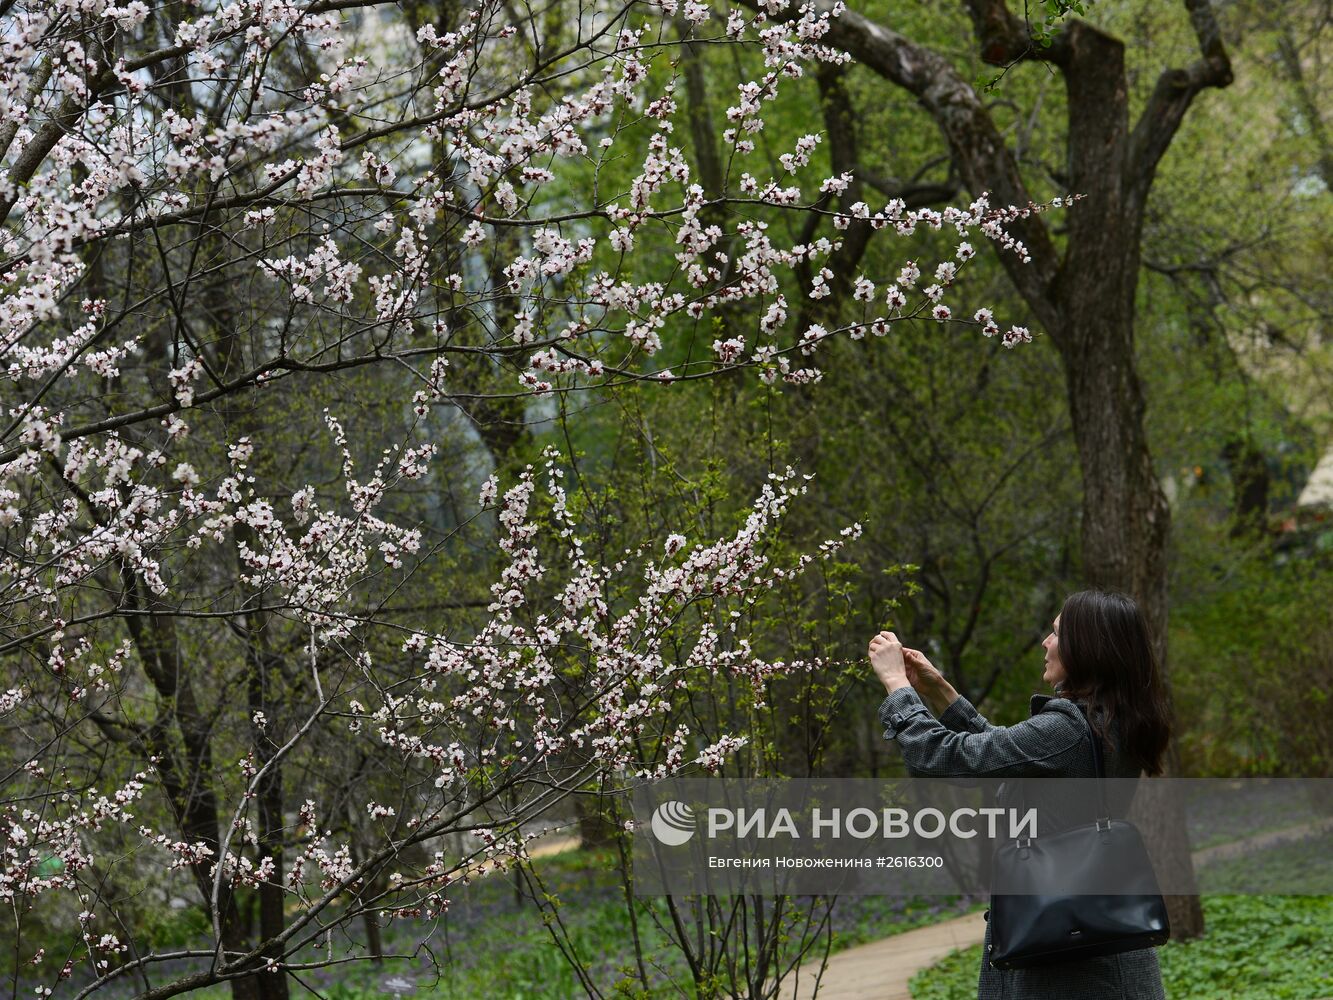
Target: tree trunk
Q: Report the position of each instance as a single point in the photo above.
(1125, 527)
(263, 675)
(596, 829)
(374, 942)
(1249, 486)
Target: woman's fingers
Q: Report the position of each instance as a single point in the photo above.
(919, 668)
(916, 656)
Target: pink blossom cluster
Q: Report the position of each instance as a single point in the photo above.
(503, 678)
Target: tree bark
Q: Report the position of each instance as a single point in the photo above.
(264, 675)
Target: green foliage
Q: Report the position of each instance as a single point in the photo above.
(1250, 643)
(168, 929)
(1050, 14)
(954, 977)
(1257, 947)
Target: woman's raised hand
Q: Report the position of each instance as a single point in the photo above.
(886, 657)
(928, 682)
(920, 671)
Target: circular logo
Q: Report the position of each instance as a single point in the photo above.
(673, 823)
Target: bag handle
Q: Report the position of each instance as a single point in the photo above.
(1105, 813)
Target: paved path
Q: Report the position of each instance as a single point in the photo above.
(1234, 849)
(552, 845)
(881, 969)
(547, 844)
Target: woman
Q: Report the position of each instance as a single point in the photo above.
(1099, 654)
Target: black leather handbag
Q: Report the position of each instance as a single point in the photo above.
(1038, 916)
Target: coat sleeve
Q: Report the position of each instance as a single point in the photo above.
(1048, 744)
(962, 717)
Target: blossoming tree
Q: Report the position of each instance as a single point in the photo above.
(219, 215)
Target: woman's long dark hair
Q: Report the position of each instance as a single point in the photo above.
(1107, 652)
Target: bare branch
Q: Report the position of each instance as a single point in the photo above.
(1171, 98)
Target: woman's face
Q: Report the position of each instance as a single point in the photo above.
(1055, 671)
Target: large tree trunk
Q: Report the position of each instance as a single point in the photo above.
(1084, 298)
(1125, 527)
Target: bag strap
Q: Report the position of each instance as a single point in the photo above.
(1099, 762)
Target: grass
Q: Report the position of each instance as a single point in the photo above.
(1256, 947)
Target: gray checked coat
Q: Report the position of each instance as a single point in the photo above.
(1053, 742)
